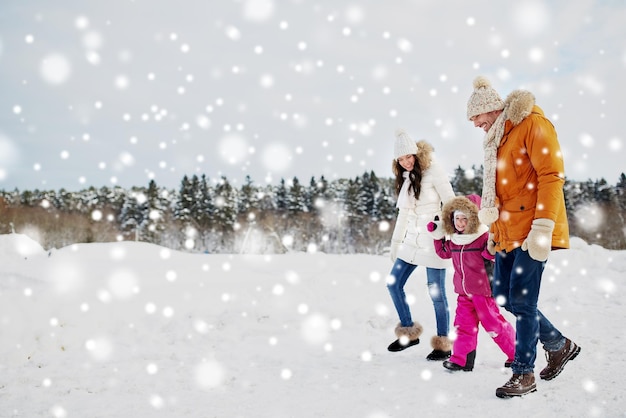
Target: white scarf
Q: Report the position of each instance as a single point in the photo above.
(488, 212)
(464, 239)
(406, 198)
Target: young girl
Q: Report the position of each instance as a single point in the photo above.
(421, 186)
(467, 247)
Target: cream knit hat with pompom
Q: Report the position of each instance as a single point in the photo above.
(484, 99)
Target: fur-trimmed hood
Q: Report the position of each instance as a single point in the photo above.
(469, 206)
(424, 156)
(518, 105)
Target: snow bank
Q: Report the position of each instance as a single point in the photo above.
(19, 245)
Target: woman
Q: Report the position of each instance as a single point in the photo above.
(422, 187)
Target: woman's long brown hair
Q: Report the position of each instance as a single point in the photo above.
(415, 176)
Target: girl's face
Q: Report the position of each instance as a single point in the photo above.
(460, 222)
(407, 161)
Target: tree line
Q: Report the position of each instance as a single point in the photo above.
(340, 216)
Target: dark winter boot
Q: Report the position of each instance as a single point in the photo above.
(442, 348)
(469, 363)
(518, 385)
(558, 359)
(407, 337)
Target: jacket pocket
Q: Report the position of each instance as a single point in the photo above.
(516, 217)
(520, 203)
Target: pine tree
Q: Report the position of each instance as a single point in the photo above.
(156, 208)
(603, 192)
(312, 193)
(182, 207)
(465, 182)
(226, 203)
(203, 209)
(620, 193)
(296, 199)
(280, 197)
(133, 215)
(367, 196)
(248, 197)
(385, 204)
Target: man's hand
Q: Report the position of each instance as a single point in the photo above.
(538, 243)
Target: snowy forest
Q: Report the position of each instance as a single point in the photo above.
(344, 216)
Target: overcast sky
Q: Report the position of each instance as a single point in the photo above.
(118, 92)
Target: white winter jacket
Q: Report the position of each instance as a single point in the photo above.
(411, 241)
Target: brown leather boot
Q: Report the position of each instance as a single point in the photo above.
(518, 385)
(558, 359)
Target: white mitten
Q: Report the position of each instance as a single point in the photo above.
(538, 243)
(488, 216)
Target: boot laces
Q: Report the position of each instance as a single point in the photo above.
(551, 358)
(514, 381)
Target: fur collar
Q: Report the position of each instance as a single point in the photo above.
(424, 154)
(519, 104)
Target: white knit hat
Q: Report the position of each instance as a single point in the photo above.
(484, 99)
(404, 145)
(458, 213)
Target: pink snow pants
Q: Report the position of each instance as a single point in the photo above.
(471, 311)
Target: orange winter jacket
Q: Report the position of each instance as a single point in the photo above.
(529, 176)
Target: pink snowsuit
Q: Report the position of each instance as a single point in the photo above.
(475, 303)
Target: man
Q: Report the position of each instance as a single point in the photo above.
(524, 205)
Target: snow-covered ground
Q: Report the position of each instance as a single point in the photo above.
(134, 330)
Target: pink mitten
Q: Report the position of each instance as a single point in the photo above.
(435, 229)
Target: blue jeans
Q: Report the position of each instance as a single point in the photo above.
(517, 278)
(401, 271)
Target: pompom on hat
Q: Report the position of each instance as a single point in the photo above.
(404, 145)
(484, 99)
